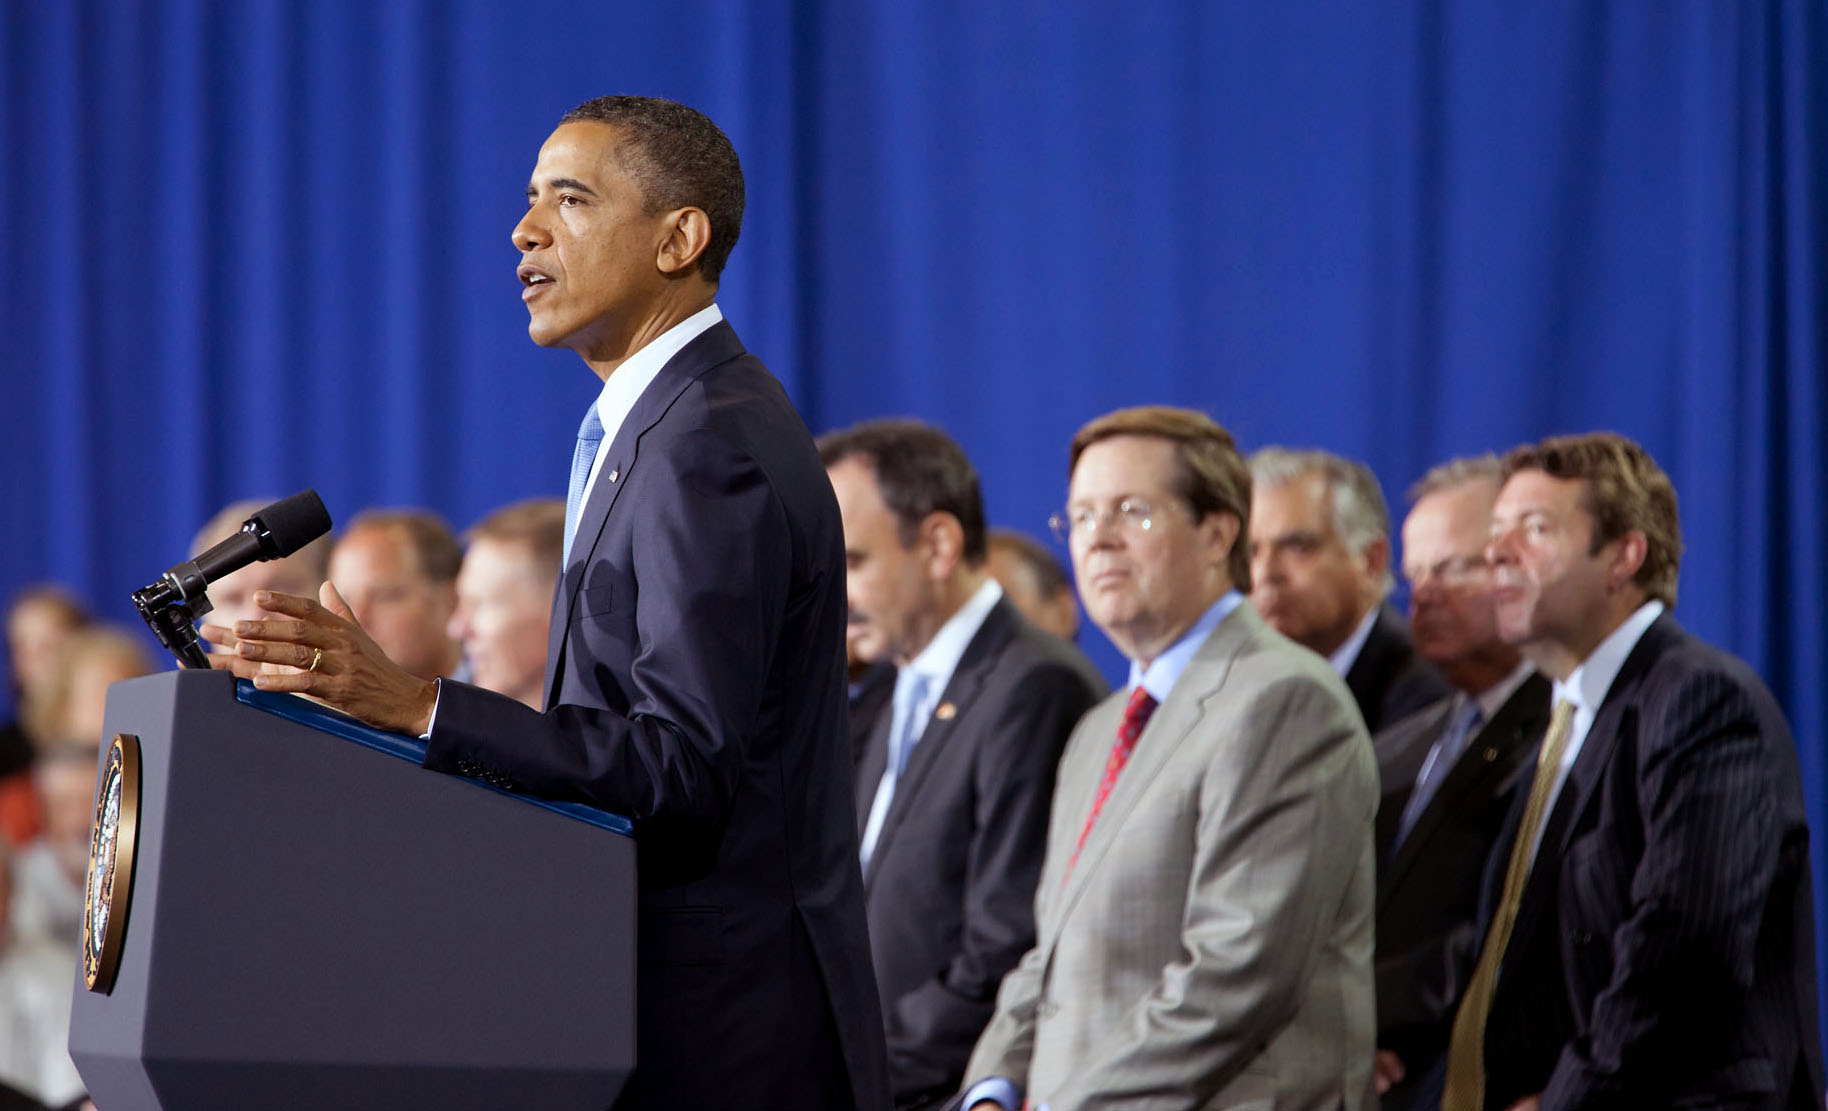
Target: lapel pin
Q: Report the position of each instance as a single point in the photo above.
(1490, 755)
(946, 712)
(613, 472)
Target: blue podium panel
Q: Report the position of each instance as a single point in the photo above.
(317, 922)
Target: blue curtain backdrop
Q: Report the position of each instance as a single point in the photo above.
(257, 246)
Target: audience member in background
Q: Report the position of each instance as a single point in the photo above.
(1205, 911)
(90, 662)
(1320, 568)
(35, 984)
(1034, 582)
(954, 787)
(38, 623)
(1649, 936)
(504, 597)
(49, 874)
(232, 596)
(397, 569)
(1448, 772)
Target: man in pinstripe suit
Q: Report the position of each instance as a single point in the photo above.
(1648, 937)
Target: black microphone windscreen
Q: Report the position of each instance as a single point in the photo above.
(294, 522)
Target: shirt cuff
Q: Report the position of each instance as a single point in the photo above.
(999, 1089)
(432, 722)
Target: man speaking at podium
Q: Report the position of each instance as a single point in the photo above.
(695, 680)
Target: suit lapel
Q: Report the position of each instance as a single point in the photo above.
(717, 344)
(1519, 722)
(1400, 760)
(1172, 723)
(951, 713)
(1617, 715)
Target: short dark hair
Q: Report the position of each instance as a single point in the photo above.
(1213, 476)
(680, 159)
(1050, 577)
(1624, 491)
(433, 543)
(919, 470)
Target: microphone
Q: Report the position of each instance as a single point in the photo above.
(173, 603)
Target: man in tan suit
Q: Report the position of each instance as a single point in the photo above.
(1204, 919)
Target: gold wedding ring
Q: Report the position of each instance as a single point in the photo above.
(317, 657)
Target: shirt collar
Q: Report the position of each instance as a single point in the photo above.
(1165, 670)
(939, 659)
(1346, 654)
(1587, 684)
(627, 382)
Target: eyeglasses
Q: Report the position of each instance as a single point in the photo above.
(1133, 516)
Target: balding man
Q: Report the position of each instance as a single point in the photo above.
(1448, 774)
(1320, 569)
(232, 595)
(397, 569)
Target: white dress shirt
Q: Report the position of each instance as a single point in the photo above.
(628, 382)
(1586, 688)
(1346, 654)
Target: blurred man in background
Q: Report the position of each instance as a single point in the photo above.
(397, 569)
(953, 789)
(1449, 772)
(1034, 582)
(232, 595)
(1320, 568)
(504, 597)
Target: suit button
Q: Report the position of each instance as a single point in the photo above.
(1047, 1008)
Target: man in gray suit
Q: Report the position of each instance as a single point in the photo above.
(1204, 918)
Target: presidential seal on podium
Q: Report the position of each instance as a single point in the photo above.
(111, 842)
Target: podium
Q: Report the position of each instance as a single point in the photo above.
(315, 921)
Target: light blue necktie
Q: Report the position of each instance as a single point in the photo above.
(590, 437)
(904, 732)
(1441, 760)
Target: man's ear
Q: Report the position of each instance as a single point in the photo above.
(1223, 535)
(942, 540)
(1628, 560)
(687, 233)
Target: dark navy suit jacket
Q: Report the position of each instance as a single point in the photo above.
(695, 682)
(951, 883)
(1664, 948)
(1389, 680)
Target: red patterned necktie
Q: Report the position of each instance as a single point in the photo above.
(1135, 716)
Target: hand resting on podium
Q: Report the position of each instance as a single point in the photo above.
(322, 651)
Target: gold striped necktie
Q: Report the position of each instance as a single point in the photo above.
(1466, 1051)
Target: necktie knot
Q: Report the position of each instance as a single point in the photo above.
(1135, 716)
